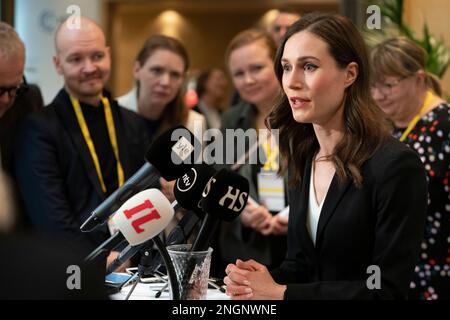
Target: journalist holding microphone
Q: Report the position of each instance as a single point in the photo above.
(357, 196)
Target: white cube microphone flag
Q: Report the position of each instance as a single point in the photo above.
(139, 219)
(143, 216)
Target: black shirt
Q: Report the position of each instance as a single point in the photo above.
(96, 122)
(152, 127)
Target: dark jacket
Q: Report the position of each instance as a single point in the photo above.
(380, 224)
(56, 174)
(28, 102)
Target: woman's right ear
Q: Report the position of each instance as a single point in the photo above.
(136, 69)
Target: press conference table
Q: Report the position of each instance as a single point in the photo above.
(147, 291)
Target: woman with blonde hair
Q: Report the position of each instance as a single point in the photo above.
(260, 231)
(411, 97)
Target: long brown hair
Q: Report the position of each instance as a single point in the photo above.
(175, 113)
(365, 126)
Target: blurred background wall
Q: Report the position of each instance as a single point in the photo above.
(204, 26)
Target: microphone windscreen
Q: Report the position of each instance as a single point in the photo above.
(189, 187)
(143, 216)
(174, 152)
(225, 195)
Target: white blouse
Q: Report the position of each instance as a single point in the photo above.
(314, 209)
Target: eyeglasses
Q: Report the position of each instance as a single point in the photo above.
(386, 88)
(15, 91)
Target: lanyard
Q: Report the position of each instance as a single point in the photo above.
(271, 150)
(272, 154)
(417, 117)
(90, 143)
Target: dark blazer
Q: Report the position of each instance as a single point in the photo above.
(36, 268)
(28, 102)
(56, 174)
(381, 224)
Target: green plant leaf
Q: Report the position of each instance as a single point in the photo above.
(393, 25)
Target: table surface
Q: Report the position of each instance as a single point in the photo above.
(147, 291)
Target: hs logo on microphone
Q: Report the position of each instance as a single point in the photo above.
(233, 196)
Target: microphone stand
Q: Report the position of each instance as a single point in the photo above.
(178, 235)
(146, 267)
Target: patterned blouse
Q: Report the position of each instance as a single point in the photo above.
(431, 140)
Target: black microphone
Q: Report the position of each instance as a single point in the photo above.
(224, 198)
(188, 193)
(169, 156)
(102, 251)
(189, 187)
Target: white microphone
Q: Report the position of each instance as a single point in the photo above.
(143, 216)
(139, 219)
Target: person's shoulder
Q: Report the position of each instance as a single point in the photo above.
(393, 154)
(44, 116)
(440, 116)
(47, 120)
(131, 117)
(31, 100)
(195, 116)
(59, 104)
(128, 100)
(42, 125)
(444, 107)
(240, 110)
(392, 149)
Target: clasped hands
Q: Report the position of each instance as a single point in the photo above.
(260, 219)
(250, 280)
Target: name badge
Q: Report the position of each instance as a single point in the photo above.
(271, 190)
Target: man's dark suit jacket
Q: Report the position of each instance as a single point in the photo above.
(380, 224)
(28, 102)
(56, 174)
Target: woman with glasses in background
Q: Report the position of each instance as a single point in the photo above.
(411, 98)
